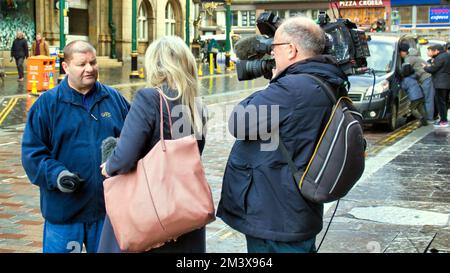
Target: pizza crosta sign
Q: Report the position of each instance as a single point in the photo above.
(361, 4)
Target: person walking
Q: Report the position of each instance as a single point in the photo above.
(19, 51)
(40, 46)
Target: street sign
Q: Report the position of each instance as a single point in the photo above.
(440, 15)
(66, 25)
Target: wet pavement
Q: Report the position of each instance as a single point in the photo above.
(399, 205)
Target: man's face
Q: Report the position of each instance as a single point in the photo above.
(431, 53)
(38, 37)
(403, 54)
(82, 70)
(281, 51)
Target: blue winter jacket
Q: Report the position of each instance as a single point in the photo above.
(62, 134)
(412, 88)
(259, 195)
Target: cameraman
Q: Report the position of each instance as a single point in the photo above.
(259, 196)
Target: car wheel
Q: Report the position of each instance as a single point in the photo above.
(393, 120)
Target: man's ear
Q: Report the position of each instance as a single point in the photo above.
(293, 52)
(65, 66)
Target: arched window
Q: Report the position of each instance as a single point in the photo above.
(170, 20)
(143, 22)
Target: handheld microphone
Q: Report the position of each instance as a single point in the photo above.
(108, 145)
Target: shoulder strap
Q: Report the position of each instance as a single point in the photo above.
(297, 174)
(325, 86)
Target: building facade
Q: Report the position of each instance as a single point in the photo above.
(424, 17)
(245, 12)
(90, 20)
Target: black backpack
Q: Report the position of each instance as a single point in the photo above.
(338, 159)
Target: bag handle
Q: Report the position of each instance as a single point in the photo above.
(161, 119)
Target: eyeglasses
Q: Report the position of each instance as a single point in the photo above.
(272, 46)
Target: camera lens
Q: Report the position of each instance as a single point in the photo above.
(249, 70)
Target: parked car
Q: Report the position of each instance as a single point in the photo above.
(377, 94)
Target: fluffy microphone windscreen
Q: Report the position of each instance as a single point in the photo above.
(108, 145)
(244, 48)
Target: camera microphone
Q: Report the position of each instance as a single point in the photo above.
(245, 47)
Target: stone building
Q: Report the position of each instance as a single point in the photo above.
(89, 20)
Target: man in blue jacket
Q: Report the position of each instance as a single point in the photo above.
(61, 151)
(259, 196)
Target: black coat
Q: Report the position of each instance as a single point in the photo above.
(19, 48)
(140, 133)
(259, 196)
(440, 71)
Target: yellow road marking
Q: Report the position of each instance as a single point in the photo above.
(9, 110)
(392, 138)
(7, 106)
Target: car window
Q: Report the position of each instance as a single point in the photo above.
(381, 56)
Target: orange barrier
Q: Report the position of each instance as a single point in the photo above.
(39, 70)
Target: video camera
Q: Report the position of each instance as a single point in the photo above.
(343, 41)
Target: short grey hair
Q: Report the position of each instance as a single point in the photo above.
(78, 46)
(306, 34)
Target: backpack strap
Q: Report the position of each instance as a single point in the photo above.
(296, 173)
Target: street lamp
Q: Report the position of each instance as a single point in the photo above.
(228, 30)
(134, 74)
(63, 30)
(188, 14)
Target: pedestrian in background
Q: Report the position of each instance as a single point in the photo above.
(61, 151)
(40, 46)
(259, 195)
(440, 71)
(172, 69)
(414, 92)
(411, 56)
(19, 51)
(213, 48)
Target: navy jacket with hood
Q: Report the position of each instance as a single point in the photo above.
(259, 196)
(64, 133)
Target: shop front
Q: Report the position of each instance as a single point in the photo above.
(364, 13)
(423, 16)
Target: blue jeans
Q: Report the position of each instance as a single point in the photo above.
(69, 238)
(256, 245)
(428, 90)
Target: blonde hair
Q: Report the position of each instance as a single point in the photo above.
(168, 60)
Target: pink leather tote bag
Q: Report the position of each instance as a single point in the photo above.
(166, 196)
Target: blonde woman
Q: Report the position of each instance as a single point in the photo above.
(171, 69)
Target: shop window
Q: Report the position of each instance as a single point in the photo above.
(234, 18)
(280, 13)
(78, 22)
(422, 14)
(293, 13)
(315, 13)
(170, 20)
(143, 23)
(405, 15)
(248, 18)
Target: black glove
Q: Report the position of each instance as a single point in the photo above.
(69, 182)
